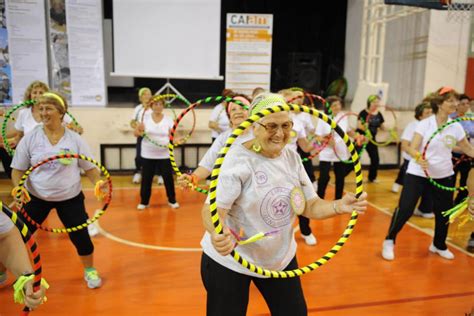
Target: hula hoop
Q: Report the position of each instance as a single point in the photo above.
(215, 175)
(98, 213)
(9, 114)
(180, 117)
(174, 96)
(423, 155)
(392, 131)
(305, 94)
(32, 246)
(359, 152)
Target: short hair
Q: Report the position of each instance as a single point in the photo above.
(55, 99)
(464, 97)
(330, 100)
(420, 108)
(371, 99)
(35, 84)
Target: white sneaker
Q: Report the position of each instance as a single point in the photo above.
(395, 187)
(141, 207)
(174, 205)
(137, 177)
(160, 180)
(417, 212)
(387, 250)
(446, 254)
(310, 240)
(93, 279)
(93, 230)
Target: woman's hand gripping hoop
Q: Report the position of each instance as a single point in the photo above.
(101, 193)
(215, 176)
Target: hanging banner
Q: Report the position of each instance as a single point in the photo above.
(77, 52)
(23, 48)
(248, 52)
(86, 52)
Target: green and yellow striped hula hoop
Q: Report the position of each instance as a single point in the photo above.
(215, 175)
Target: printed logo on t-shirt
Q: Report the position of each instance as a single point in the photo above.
(261, 177)
(276, 208)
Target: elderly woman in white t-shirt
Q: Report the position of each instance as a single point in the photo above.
(57, 184)
(14, 256)
(155, 154)
(440, 167)
(253, 195)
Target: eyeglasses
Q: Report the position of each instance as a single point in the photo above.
(272, 128)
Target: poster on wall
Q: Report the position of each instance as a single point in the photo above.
(248, 51)
(23, 48)
(76, 51)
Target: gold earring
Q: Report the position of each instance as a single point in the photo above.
(256, 147)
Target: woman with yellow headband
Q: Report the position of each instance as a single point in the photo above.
(144, 95)
(256, 184)
(58, 183)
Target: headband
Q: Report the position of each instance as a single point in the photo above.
(239, 98)
(56, 97)
(266, 100)
(142, 90)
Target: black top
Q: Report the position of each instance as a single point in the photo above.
(375, 121)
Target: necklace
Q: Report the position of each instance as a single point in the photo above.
(54, 138)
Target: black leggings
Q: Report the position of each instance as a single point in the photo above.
(463, 168)
(228, 291)
(308, 167)
(163, 166)
(426, 203)
(138, 155)
(373, 153)
(71, 212)
(340, 170)
(413, 188)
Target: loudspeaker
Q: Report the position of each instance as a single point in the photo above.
(305, 71)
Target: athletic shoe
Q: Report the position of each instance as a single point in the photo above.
(160, 180)
(137, 178)
(92, 278)
(395, 188)
(446, 254)
(417, 212)
(470, 245)
(3, 277)
(387, 250)
(93, 230)
(141, 207)
(310, 240)
(174, 205)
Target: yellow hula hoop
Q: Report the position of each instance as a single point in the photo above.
(215, 175)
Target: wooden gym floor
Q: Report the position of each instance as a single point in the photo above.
(150, 263)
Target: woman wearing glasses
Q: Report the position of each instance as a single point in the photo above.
(256, 182)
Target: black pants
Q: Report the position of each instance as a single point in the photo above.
(305, 229)
(463, 168)
(426, 203)
(323, 180)
(373, 152)
(413, 188)
(71, 212)
(6, 162)
(228, 291)
(163, 166)
(138, 155)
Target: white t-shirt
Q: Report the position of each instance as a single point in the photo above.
(5, 223)
(52, 181)
(323, 129)
(407, 135)
(297, 132)
(305, 120)
(438, 154)
(159, 133)
(25, 122)
(219, 115)
(210, 157)
(137, 113)
(256, 190)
